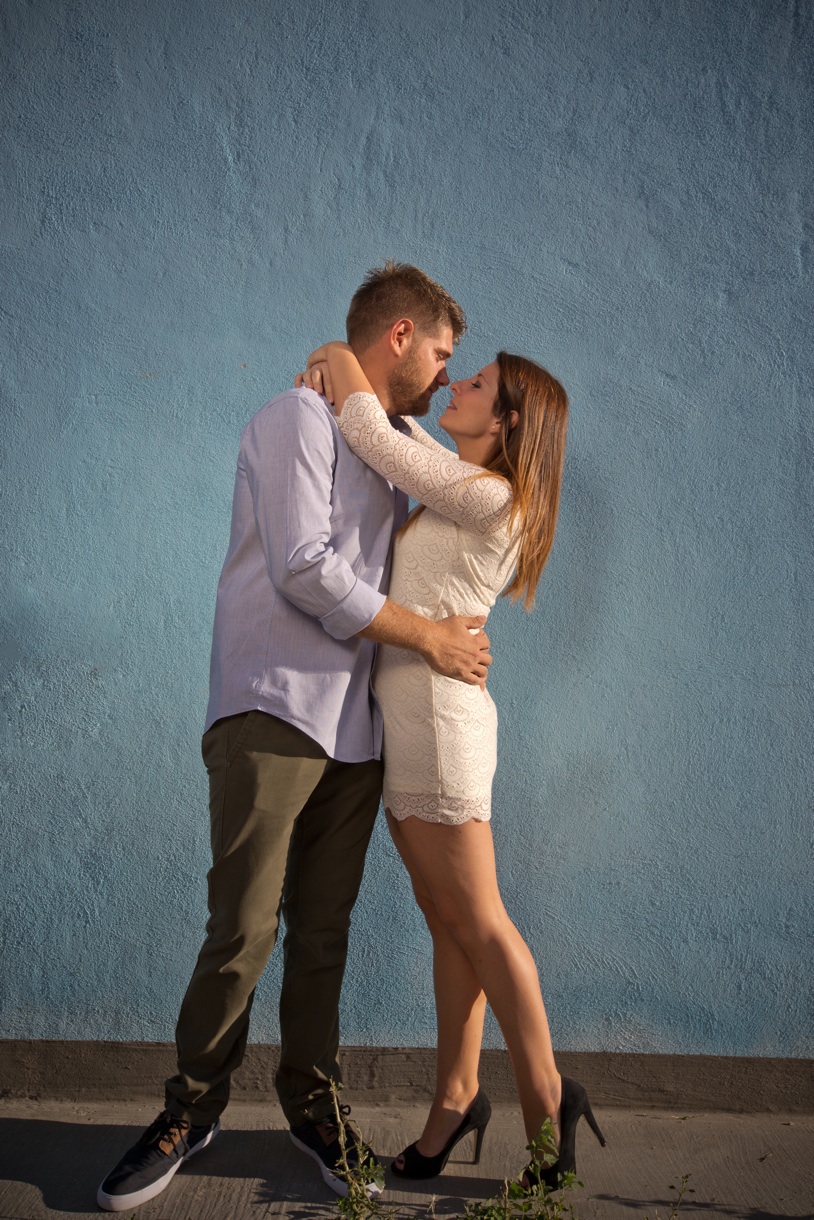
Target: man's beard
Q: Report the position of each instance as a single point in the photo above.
(409, 394)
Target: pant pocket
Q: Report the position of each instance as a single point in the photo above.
(237, 734)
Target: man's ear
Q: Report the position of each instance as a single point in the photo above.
(401, 336)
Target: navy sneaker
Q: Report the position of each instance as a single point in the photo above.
(149, 1166)
(320, 1140)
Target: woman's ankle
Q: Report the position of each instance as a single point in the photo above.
(446, 1113)
(456, 1095)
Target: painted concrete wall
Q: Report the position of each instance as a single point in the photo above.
(619, 189)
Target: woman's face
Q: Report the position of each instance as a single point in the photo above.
(471, 411)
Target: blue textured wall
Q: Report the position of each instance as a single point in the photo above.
(619, 189)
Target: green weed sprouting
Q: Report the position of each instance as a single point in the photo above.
(682, 1190)
(514, 1202)
(358, 1205)
(537, 1202)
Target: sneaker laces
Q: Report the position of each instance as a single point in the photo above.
(163, 1126)
(330, 1125)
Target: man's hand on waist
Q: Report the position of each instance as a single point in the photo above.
(459, 648)
(456, 647)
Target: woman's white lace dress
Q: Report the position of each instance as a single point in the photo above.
(440, 735)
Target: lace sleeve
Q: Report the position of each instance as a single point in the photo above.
(420, 434)
(428, 473)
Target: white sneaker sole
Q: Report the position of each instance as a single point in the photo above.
(372, 1189)
(122, 1203)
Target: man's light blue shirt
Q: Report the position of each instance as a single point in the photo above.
(307, 567)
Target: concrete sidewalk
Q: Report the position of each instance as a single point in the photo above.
(53, 1154)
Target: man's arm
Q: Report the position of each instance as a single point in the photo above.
(288, 457)
(288, 454)
(456, 647)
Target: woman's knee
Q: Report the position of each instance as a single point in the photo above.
(426, 905)
(439, 916)
(471, 924)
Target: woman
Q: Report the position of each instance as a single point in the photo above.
(484, 516)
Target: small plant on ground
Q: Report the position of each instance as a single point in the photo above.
(537, 1202)
(514, 1202)
(358, 1204)
(682, 1190)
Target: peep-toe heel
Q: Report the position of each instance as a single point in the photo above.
(416, 1165)
(573, 1106)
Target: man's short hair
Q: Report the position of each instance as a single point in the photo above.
(399, 290)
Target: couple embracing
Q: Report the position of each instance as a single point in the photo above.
(325, 574)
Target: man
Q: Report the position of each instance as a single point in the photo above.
(292, 739)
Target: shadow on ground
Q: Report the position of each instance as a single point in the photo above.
(65, 1162)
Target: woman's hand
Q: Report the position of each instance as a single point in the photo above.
(335, 368)
(317, 375)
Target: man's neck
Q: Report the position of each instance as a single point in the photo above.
(377, 375)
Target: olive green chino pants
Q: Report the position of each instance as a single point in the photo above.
(290, 828)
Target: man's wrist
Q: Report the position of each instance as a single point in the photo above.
(429, 637)
(402, 628)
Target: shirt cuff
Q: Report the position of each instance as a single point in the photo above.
(356, 611)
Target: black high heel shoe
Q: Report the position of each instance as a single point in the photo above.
(416, 1165)
(572, 1107)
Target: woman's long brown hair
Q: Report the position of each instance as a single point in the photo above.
(530, 456)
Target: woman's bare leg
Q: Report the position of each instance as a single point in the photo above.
(460, 1007)
(456, 868)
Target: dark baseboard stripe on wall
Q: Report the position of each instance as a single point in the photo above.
(115, 1070)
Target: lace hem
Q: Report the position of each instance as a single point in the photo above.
(435, 807)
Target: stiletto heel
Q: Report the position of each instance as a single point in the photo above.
(592, 1123)
(572, 1107)
(479, 1134)
(416, 1165)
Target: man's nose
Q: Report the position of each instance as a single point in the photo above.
(443, 377)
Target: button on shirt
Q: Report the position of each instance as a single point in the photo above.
(307, 567)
